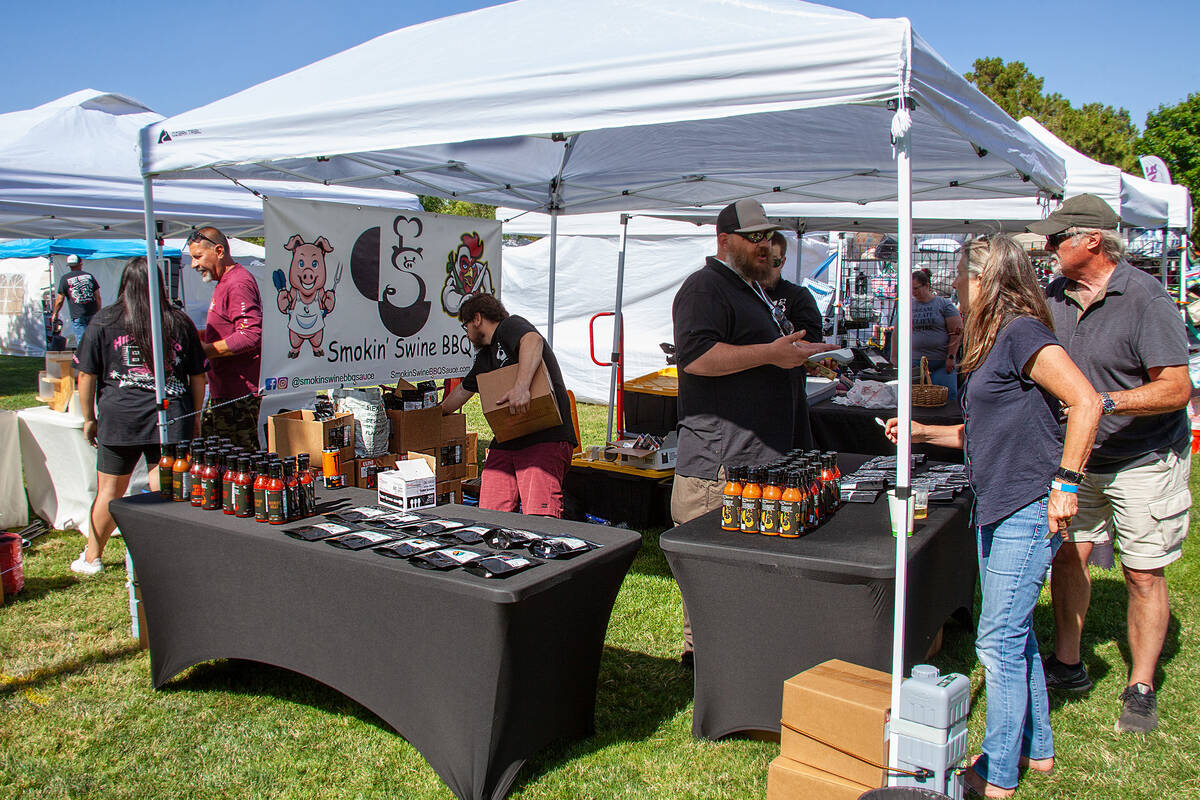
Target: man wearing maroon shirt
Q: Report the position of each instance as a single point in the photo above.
(232, 340)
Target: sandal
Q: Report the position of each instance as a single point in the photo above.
(983, 789)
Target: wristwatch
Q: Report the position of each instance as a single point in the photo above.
(1107, 404)
(1070, 476)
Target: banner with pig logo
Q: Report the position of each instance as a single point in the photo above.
(358, 296)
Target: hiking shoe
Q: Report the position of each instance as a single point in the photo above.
(1065, 678)
(85, 567)
(1140, 710)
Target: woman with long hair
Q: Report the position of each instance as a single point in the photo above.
(116, 392)
(1025, 473)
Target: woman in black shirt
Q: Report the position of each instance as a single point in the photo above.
(116, 393)
(1025, 476)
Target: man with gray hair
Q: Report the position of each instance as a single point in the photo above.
(1127, 337)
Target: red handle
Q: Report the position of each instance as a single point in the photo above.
(592, 338)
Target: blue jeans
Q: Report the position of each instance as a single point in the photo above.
(1014, 555)
(79, 325)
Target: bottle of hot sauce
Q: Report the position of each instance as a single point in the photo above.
(731, 500)
(179, 470)
(812, 517)
(259, 490)
(166, 472)
(791, 507)
(227, 481)
(292, 485)
(768, 513)
(308, 487)
(751, 502)
(275, 493)
(836, 479)
(210, 482)
(243, 492)
(196, 475)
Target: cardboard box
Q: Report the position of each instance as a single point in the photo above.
(791, 780)
(362, 471)
(472, 472)
(409, 486)
(623, 452)
(845, 705)
(542, 413)
(294, 432)
(472, 448)
(410, 398)
(449, 492)
(454, 426)
(447, 460)
(420, 429)
(60, 363)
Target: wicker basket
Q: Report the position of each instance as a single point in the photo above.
(927, 393)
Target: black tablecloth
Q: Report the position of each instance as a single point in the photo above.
(477, 674)
(764, 608)
(850, 429)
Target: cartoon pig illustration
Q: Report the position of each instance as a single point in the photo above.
(304, 297)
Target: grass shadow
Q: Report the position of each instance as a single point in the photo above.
(636, 694)
(71, 666)
(256, 679)
(37, 588)
(650, 559)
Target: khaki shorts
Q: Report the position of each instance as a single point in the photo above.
(692, 497)
(1146, 507)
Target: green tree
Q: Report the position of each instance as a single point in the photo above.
(1094, 129)
(461, 208)
(1173, 134)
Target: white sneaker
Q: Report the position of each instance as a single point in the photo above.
(85, 567)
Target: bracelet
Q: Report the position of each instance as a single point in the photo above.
(1069, 488)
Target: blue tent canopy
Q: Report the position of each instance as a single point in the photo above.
(84, 248)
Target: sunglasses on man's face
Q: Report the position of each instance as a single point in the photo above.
(755, 236)
(1056, 239)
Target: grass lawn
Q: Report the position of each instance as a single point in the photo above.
(78, 717)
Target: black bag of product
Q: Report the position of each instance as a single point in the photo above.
(397, 520)
(319, 530)
(471, 534)
(561, 547)
(436, 527)
(500, 565)
(407, 548)
(447, 558)
(361, 540)
(360, 514)
(510, 538)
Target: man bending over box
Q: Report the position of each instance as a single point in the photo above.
(525, 473)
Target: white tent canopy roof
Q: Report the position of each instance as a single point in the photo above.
(1135, 206)
(68, 169)
(1176, 196)
(654, 103)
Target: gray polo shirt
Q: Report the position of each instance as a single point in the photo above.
(1130, 330)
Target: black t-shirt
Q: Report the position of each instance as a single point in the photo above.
(739, 419)
(126, 411)
(80, 289)
(504, 350)
(1014, 442)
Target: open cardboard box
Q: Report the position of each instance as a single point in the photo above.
(542, 413)
(291, 433)
(623, 451)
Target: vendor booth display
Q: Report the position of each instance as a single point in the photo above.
(478, 673)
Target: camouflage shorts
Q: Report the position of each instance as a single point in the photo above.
(236, 421)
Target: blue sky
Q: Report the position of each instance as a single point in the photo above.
(176, 55)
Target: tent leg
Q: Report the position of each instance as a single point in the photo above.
(904, 439)
(550, 289)
(837, 285)
(613, 388)
(1164, 266)
(156, 337)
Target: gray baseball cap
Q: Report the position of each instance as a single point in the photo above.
(73, 260)
(1080, 211)
(744, 216)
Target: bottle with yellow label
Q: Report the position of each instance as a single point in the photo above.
(751, 501)
(731, 500)
(768, 513)
(791, 511)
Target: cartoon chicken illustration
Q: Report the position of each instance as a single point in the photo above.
(466, 273)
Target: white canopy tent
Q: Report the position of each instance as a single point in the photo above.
(655, 103)
(68, 169)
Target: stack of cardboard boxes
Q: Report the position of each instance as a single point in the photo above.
(833, 743)
(56, 383)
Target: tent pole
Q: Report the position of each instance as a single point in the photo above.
(613, 388)
(550, 291)
(1183, 265)
(904, 437)
(156, 334)
(837, 286)
(1163, 267)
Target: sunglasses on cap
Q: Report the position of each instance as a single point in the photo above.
(755, 236)
(196, 236)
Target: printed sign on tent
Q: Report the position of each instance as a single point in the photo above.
(362, 296)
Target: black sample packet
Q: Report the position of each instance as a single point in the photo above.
(320, 530)
(500, 565)
(407, 548)
(361, 540)
(561, 547)
(510, 538)
(447, 558)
